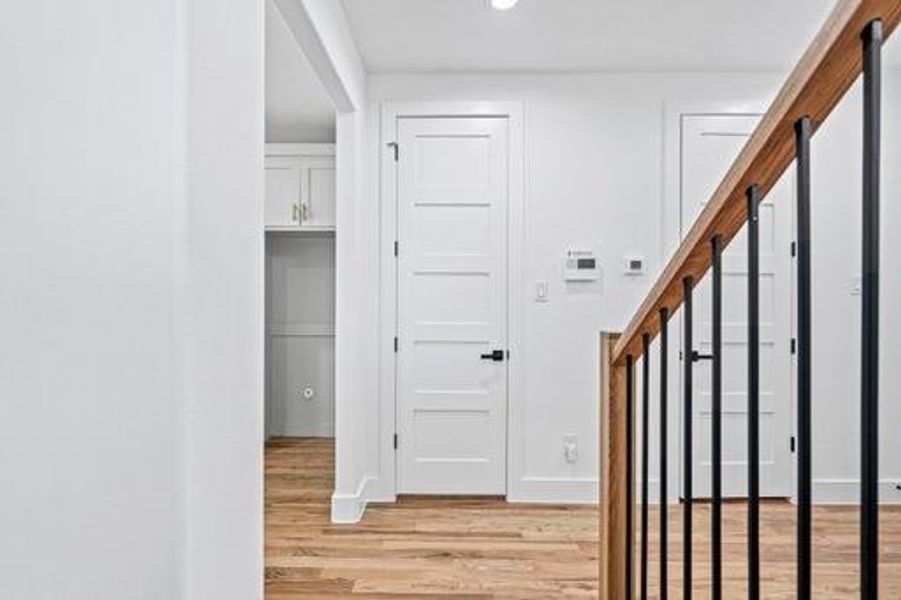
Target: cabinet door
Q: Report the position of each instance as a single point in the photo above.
(320, 193)
(283, 194)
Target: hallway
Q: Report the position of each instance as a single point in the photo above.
(489, 549)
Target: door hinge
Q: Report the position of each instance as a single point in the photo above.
(396, 344)
(794, 249)
(794, 346)
(396, 248)
(792, 443)
(395, 441)
(396, 147)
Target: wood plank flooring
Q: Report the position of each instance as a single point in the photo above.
(432, 548)
(417, 548)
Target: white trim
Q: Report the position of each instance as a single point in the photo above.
(385, 487)
(299, 149)
(557, 490)
(349, 508)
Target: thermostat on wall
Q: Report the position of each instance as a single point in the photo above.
(580, 265)
(634, 265)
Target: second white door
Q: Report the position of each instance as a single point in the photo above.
(452, 193)
(709, 145)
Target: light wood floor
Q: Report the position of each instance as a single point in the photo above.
(428, 548)
(418, 547)
(835, 551)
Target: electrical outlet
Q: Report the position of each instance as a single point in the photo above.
(571, 448)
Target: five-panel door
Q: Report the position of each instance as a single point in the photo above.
(452, 305)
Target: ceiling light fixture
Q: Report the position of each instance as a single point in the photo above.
(503, 4)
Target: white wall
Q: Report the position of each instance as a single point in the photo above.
(220, 300)
(130, 246)
(89, 197)
(597, 154)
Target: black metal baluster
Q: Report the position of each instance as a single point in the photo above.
(753, 394)
(630, 471)
(716, 509)
(664, 445)
(803, 131)
(645, 428)
(869, 435)
(687, 414)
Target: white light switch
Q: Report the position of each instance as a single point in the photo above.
(541, 291)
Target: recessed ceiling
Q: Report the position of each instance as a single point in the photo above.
(297, 106)
(584, 35)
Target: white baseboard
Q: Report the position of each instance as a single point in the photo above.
(847, 491)
(349, 508)
(825, 491)
(377, 491)
(555, 490)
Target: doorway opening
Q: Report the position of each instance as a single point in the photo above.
(300, 288)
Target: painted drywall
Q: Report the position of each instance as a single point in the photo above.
(220, 300)
(90, 414)
(596, 156)
(131, 247)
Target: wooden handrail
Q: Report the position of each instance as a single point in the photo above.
(828, 68)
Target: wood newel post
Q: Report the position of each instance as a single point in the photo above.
(613, 473)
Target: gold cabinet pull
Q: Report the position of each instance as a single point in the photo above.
(294, 215)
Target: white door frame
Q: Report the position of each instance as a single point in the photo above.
(670, 233)
(386, 484)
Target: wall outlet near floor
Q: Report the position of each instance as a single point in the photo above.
(571, 448)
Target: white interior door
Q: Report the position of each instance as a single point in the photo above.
(709, 145)
(452, 305)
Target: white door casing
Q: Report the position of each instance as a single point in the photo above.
(709, 145)
(452, 202)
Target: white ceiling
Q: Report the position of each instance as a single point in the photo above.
(297, 107)
(584, 35)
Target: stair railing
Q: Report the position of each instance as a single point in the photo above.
(848, 44)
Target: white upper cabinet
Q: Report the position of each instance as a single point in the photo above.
(320, 193)
(283, 194)
(300, 187)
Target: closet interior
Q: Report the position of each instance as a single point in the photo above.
(300, 290)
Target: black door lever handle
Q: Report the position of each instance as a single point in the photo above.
(696, 356)
(496, 355)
